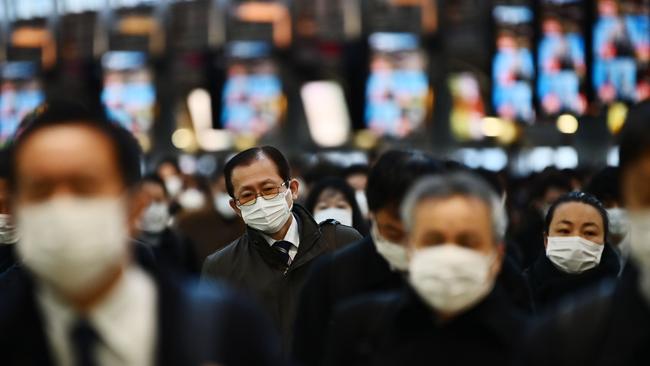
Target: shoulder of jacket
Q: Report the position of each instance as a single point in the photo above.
(227, 251)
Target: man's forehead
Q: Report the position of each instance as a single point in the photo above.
(258, 170)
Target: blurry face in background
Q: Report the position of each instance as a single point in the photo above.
(550, 195)
(635, 187)
(219, 186)
(331, 198)
(357, 181)
(154, 192)
(389, 225)
(577, 219)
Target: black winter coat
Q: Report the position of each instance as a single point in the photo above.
(611, 327)
(398, 328)
(548, 285)
(250, 264)
(355, 270)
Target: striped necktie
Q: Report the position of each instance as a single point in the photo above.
(283, 247)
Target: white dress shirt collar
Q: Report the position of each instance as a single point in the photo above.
(292, 236)
(125, 322)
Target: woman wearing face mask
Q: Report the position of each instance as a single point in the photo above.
(577, 256)
(333, 198)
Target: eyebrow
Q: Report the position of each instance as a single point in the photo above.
(251, 187)
(590, 224)
(567, 222)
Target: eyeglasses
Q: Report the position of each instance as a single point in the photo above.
(250, 198)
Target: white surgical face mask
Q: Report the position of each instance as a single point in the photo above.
(191, 199)
(573, 254)
(619, 223)
(451, 278)
(72, 243)
(267, 216)
(155, 218)
(173, 184)
(393, 253)
(342, 215)
(222, 205)
(8, 233)
(362, 201)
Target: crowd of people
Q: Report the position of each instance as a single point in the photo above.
(408, 260)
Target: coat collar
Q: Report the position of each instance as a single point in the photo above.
(309, 237)
(494, 314)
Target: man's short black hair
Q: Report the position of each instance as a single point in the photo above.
(247, 157)
(61, 112)
(155, 179)
(605, 185)
(634, 140)
(394, 173)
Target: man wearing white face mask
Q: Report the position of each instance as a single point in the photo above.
(80, 296)
(452, 312)
(577, 256)
(170, 247)
(282, 240)
(214, 226)
(611, 325)
(377, 263)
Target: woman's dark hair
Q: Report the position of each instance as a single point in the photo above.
(580, 197)
(340, 185)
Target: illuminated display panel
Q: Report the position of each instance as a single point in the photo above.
(513, 68)
(20, 93)
(397, 89)
(621, 50)
(252, 94)
(129, 94)
(561, 58)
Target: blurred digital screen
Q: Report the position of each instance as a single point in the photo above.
(252, 93)
(513, 68)
(20, 93)
(561, 58)
(129, 94)
(397, 88)
(468, 108)
(621, 47)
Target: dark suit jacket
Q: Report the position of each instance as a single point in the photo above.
(198, 324)
(355, 270)
(252, 265)
(398, 328)
(610, 326)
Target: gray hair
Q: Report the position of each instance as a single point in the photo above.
(448, 185)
